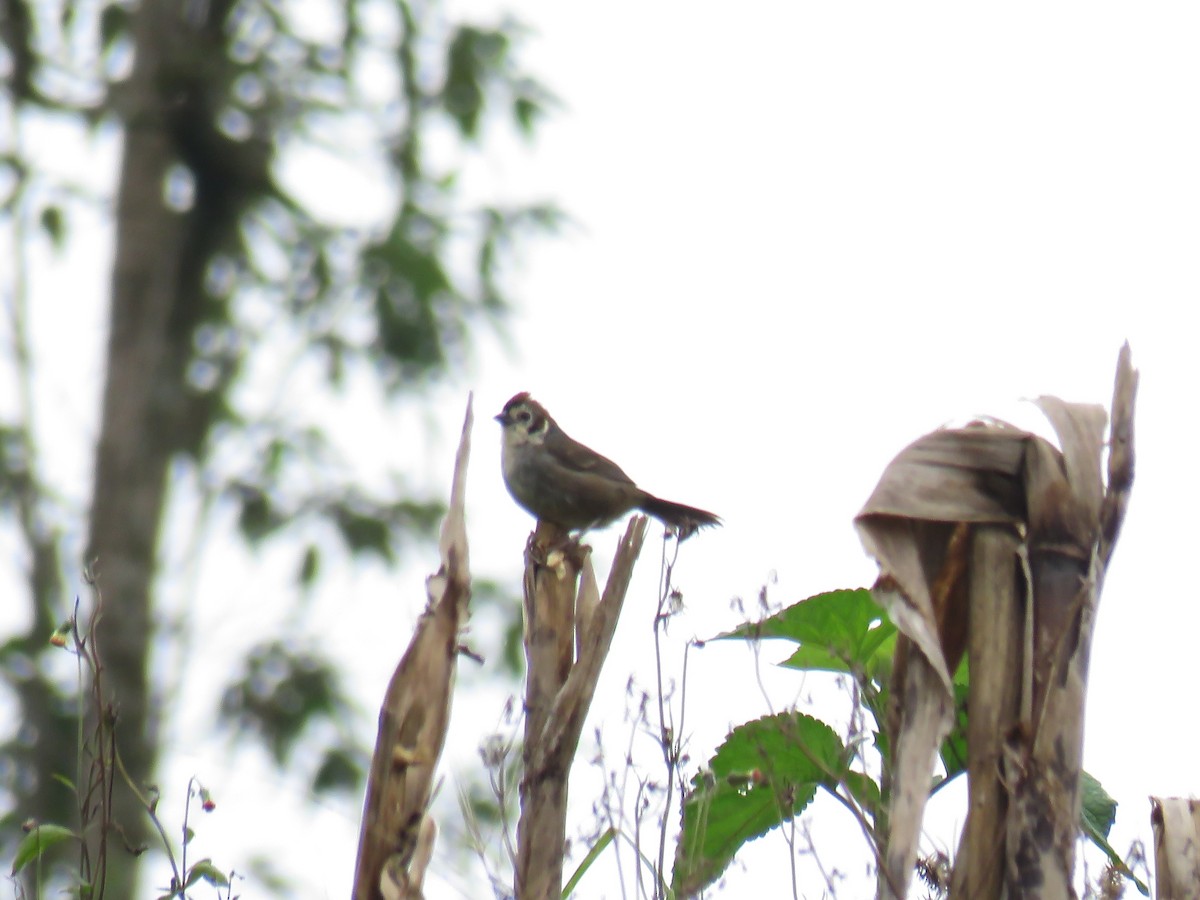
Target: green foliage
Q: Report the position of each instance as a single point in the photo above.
(1097, 814)
(592, 855)
(953, 752)
(488, 598)
(258, 517)
(250, 85)
(765, 773)
(839, 631)
(473, 53)
(282, 695)
(204, 871)
(340, 770)
(310, 566)
(768, 771)
(54, 225)
(39, 840)
(843, 632)
(269, 505)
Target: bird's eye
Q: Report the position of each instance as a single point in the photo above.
(524, 416)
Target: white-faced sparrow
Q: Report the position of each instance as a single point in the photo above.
(560, 480)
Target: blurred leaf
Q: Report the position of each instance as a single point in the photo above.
(531, 101)
(17, 36)
(258, 518)
(514, 647)
(526, 111)
(276, 454)
(204, 870)
(54, 225)
(114, 24)
(40, 839)
(482, 805)
(412, 286)
(265, 871)
(281, 693)
(340, 770)
(363, 532)
(489, 596)
(310, 565)
(765, 773)
(475, 57)
(501, 227)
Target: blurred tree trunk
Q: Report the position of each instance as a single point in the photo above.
(158, 300)
(215, 88)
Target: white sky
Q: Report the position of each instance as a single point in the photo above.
(808, 233)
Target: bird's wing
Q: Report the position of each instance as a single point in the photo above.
(584, 460)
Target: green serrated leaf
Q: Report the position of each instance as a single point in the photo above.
(35, 844)
(765, 773)
(839, 631)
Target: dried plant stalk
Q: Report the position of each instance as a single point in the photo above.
(396, 837)
(996, 602)
(1176, 824)
(563, 669)
(1041, 525)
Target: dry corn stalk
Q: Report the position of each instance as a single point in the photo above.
(993, 541)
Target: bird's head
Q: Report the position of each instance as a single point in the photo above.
(524, 419)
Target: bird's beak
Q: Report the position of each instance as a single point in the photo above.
(500, 418)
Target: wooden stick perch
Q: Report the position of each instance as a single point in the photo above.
(568, 631)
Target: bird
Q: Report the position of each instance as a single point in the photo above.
(559, 480)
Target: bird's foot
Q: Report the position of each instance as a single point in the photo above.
(552, 548)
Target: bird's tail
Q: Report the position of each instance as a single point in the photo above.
(684, 519)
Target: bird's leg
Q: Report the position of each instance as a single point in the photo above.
(549, 545)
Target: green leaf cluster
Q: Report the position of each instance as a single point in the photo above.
(768, 770)
(765, 773)
(283, 696)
